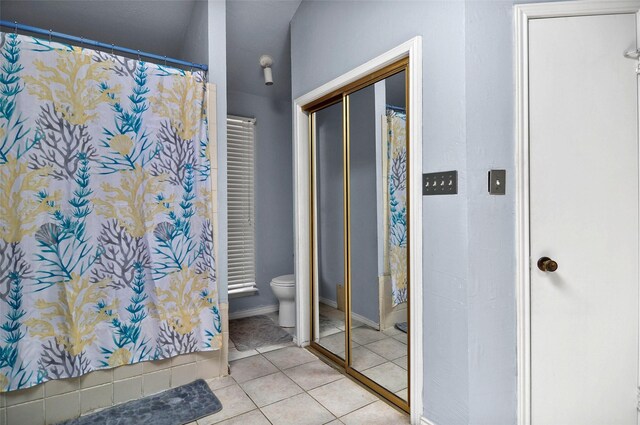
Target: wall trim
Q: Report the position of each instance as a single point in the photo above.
(254, 311)
(356, 316)
(413, 50)
(425, 421)
(522, 14)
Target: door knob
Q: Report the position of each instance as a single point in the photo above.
(546, 264)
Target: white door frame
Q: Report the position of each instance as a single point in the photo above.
(301, 173)
(522, 15)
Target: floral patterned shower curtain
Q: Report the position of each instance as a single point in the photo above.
(396, 161)
(106, 237)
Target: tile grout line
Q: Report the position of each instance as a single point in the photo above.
(303, 390)
(282, 371)
(349, 412)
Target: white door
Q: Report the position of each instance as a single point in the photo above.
(584, 215)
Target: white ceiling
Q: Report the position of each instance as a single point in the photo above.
(151, 26)
(255, 28)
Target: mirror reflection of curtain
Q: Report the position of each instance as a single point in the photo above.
(395, 168)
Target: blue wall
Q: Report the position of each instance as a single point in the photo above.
(273, 191)
(490, 94)
(195, 46)
(469, 250)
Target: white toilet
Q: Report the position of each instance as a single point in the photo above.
(284, 287)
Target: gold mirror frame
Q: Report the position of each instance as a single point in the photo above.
(342, 95)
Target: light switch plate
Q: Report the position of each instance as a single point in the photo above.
(498, 182)
(443, 183)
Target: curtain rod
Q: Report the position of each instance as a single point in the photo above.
(92, 43)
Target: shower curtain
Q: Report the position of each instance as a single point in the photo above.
(396, 155)
(106, 236)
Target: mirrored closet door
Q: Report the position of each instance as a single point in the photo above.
(360, 231)
(330, 231)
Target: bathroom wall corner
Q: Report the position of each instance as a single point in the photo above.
(217, 47)
(273, 194)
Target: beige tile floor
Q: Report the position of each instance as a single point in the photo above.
(381, 356)
(291, 386)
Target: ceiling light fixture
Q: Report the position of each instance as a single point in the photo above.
(265, 62)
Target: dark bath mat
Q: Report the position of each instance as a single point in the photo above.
(176, 406)
(256, 331)
(402, 326)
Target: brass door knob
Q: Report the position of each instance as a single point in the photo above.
(546, 264)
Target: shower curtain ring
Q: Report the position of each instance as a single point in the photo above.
(138, 55)
(16, 28)
(50, 31)
(165, 60)
(112, 48)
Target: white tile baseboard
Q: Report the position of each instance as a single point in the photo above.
(425, 421)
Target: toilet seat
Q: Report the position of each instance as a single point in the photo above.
(284, 280)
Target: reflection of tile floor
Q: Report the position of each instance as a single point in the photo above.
(291, 386)
(381, 356)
